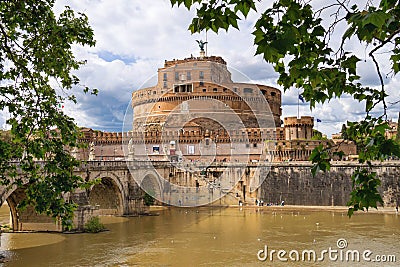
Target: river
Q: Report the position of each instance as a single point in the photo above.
(213, 237)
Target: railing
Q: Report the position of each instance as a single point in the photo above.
(123, 164)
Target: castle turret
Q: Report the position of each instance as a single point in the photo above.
(298, 128)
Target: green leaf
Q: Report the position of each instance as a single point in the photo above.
(381, 128)
(369, 104)
(348, 33)
(188, 3)
(377, 18)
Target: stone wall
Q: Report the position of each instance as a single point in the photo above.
(294, 184)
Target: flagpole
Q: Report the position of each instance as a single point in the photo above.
(206, 45)
(298, 103)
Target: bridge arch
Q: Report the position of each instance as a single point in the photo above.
(27, 219)
(152, 185)
(108, 195)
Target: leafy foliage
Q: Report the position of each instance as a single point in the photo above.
(93, 225)
(322, 157)
(317, 135)
(215, 14)
(364, 194)
(343, 132)
(36, 74)
(296, 38)
(148, 198)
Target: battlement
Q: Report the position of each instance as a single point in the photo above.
(183, 135)
(216, 59)
(294, 121)
(99, 137)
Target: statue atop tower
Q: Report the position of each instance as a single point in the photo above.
(201, 45)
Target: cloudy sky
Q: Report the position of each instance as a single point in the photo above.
(134, 37)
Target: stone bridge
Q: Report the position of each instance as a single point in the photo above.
(118, 191)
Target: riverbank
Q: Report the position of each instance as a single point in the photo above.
(290, 208)
(383, 210)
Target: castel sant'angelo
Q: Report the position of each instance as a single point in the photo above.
(196, 112)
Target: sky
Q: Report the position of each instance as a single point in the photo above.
(134, 37)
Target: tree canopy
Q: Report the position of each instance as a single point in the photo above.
(299, 39)
(36, 76)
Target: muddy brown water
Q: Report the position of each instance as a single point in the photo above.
(214, 237)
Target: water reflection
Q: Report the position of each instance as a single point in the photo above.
(208, 236)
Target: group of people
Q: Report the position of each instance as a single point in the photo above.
(261, 203)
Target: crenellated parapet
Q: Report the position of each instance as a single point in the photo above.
(247, 135)
(302, 121)
(216, 59)
(100, 138)
(107, 137)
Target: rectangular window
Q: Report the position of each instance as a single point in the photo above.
(248, 90)
(156, 149)
(165, 77)
(176, 76)
(165, 84)
(189, 75)
(201, 75)
(190, 149)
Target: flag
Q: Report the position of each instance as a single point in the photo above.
(318, 120)
(301, 98)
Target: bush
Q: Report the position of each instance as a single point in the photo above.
(148, 199)
(93, 225)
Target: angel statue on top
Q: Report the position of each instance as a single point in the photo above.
(201, 44)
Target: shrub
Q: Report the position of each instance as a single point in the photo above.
(148, 199)
(93, 225)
